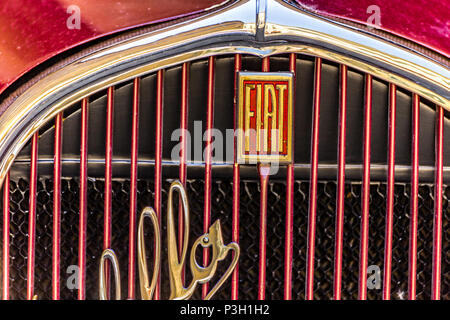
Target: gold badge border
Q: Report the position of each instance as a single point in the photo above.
(267, 76)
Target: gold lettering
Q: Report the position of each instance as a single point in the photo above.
(280, 88)
(147, 289)
(108, 254)
(200, 274)
(258, 116)
(273, 116)
(248, 114)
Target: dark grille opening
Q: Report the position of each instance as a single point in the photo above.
(249, 214)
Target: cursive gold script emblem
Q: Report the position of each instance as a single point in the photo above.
(200, 274)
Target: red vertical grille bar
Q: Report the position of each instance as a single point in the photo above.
(57, 207)
(264, 180)
(437, 226)
(390, 194)
(133, 190)
(236, 189)
(32, 217)
(414, 198)
(108, 178)
(6, 220)
(288, 246)
(364, 241)
(158, 154)
(83, 201)
(183, 168)
(313, 184)
(340, 194)
(208, 158)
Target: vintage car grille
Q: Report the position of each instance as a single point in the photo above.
(133, 122)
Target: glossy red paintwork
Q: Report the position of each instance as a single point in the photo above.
(414, 204)
(422, 21)
(312, 209)
(82, 229)
(158, 155)
(208, 162)
(236, 187)
(365, 193)
(340, 196)
(289, 225)
(32, 31)
(133, 191)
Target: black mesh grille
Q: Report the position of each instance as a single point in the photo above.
(249, 236)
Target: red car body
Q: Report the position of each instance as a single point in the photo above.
(33, 31)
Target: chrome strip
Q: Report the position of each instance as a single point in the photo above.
(151, 162)
(261, 9)
(231, 30)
